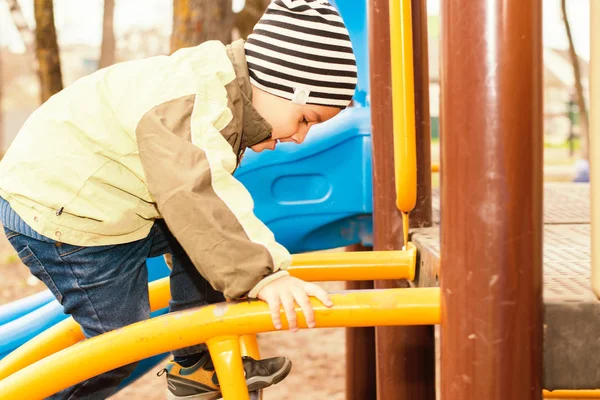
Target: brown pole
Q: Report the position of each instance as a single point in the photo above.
(405, 355)
(421, 216)
(360, 350)
(491, 244)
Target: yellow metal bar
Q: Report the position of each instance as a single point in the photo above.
(227, 359)
(56, 338)
(435, 167)
(405, 229)
(595, 140)
(403, 99)
(572, 394)
(186, 328)
(68, 332)
(249, 346)
(355, 266)
(359, 258)
(343, 266)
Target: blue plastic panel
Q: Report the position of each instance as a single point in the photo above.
(316, 195)
(18, 308)
(13, 334)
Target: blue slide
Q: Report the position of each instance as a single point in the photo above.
(313, 197)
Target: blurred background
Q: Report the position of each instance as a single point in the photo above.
(45, 45)
(95, 33)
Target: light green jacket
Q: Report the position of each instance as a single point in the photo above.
(141, 140)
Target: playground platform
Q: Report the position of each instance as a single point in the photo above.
(571, 310)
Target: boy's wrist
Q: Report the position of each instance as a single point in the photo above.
(265, 281)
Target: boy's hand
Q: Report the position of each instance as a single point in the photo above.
(288, 290)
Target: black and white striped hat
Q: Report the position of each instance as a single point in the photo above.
(300, 50)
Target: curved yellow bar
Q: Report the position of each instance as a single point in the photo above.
(68, 332)
(403, 97)
(356, 265)
(334, 266)
(181, 329)
(572, 394)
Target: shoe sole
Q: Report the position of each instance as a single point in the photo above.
(254, 384)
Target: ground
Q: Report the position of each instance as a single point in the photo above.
(318, 356)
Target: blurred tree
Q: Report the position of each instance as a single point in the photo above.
(583, 118)
(47, 49)
(107, 51)
(21, 24)
(249, 16)
(196, 21)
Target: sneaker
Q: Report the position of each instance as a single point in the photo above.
(199, 382)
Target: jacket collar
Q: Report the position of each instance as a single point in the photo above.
(255, 128)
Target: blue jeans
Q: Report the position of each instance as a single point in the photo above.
(106, 287)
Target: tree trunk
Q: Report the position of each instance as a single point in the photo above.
(47, 49)
(21, 24)
(25, 31)
(107, 51)
(196, 21)
(583, 118)
(249, 16)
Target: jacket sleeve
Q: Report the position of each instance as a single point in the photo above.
(188, 166)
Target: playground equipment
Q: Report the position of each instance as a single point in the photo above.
(500, 313)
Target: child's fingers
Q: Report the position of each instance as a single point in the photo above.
(319, 293)
(274, 306)
(290, 311)
(304, 303)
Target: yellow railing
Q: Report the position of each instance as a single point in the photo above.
(356, 266)
(403, 103)
(571, 394)
(213, 325)
(310, 267)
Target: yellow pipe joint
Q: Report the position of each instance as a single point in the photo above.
(227, 359)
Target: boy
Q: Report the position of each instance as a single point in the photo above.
(136, 160)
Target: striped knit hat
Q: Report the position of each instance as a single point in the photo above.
(300, 50)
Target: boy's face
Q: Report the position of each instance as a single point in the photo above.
(291, 122)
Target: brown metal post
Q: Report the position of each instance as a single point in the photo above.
(491, 244)
(405, 355)
(421, 216)
(360, 350)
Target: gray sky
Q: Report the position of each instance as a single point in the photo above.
(80, 21)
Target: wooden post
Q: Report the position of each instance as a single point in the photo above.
(360, 350)
(405, 355)
(421, 217)
(491, 237)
